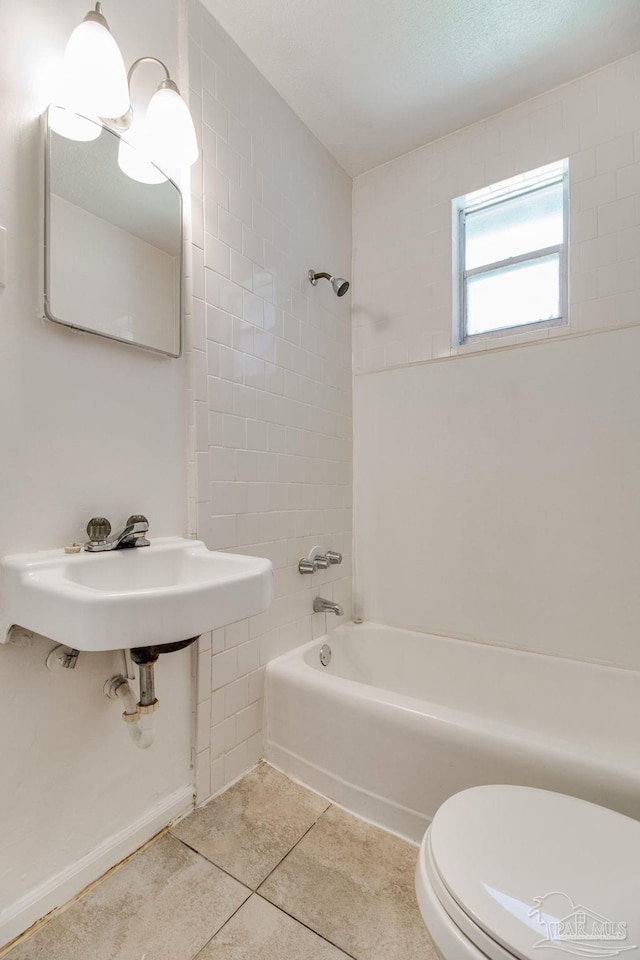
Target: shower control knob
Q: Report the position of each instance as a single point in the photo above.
(317, 557)
(98, 529)
(307, 566)
(333, 556)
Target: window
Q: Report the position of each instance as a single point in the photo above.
(512, 254)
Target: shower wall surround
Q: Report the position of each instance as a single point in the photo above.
(519, 463)
(271, 375)
(87, 427)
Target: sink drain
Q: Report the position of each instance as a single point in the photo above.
(325, 654)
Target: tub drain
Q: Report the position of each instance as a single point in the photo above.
(325, 654)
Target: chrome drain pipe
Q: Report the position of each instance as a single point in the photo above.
(140, 717)
(147, 684)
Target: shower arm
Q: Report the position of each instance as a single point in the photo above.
(339, 284)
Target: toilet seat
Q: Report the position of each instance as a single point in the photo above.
(451, 929)
(500, 864)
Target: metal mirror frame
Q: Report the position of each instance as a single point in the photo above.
(47, 250)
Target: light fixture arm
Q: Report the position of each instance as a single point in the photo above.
(166, 84)
(125, 121)
(136, 63)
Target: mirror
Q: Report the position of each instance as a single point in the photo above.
(113, 245)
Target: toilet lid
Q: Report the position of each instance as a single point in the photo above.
(538, 873)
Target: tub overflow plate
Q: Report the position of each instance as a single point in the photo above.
(325, 654)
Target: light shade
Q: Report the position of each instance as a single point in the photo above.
(169, 133)
(133, 157)
(94, 79)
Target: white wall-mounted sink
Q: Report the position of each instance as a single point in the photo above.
(132, 597)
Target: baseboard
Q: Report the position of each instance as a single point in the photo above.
(63, 886)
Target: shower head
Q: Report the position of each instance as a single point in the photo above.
(339, 284)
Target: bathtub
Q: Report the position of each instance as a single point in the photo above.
(398, 721)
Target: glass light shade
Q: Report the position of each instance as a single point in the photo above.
(94, 79)
(170, 134)
(133, 158)
(72, 126)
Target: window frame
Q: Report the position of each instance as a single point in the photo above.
(461, 208)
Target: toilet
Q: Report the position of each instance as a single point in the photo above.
(510, 872)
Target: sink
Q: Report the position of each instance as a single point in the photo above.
(132, 597)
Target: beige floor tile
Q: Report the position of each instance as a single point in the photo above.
(163, 904)
(259, 931)
(354, 884)
(252, 826)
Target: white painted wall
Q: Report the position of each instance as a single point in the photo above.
(496, 493)
(87, 427)
(271, 438)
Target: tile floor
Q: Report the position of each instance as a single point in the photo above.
(266, 871)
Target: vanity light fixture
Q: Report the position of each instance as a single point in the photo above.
(96, 85)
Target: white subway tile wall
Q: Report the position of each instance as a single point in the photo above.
(402, 218)
(270, 431)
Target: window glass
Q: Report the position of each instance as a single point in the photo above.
(512, 227)
(512, 296)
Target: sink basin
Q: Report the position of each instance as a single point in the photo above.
(133, 597)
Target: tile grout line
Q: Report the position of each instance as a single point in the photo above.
(227, 874)
(222, 926)
(213, 864)
(264, 880)
(307, 927)
(291, 849)
(254, 891)
(283, 909)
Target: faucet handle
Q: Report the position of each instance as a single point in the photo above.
(316, 560)
(333, 556)
(138, 525)
(98, 529)
(137, 518)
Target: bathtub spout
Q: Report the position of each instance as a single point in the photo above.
(320, 605)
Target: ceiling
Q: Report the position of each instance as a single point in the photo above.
(374, 79)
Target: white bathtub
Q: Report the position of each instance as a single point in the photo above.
(399, 721)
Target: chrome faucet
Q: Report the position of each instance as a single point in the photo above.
(320, 605)
(133, 535)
